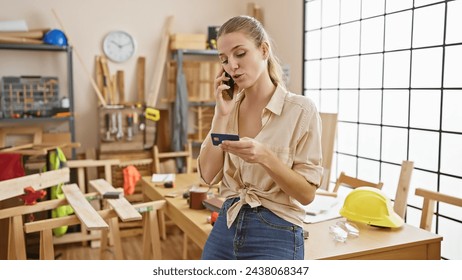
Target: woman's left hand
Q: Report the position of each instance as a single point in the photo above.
(250, 150)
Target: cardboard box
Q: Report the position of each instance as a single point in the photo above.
(188, 41)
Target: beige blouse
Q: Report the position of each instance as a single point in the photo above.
(291, 128)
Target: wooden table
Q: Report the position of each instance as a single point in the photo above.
(190, 221)
(407, 242)
(373, 243)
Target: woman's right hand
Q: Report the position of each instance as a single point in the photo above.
(223, 106)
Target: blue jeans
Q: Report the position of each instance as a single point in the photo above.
(256, 234)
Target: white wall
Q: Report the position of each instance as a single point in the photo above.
(86, 22)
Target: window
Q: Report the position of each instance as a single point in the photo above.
(392, 70)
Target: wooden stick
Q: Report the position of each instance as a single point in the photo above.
(15, 187)
(83, 209)
(121, 86)
(123, 208)
(31, 34)
(99, 75)
(92, 81)
(140, 76)
(107, 82)
(8, 39)
(160, 63)
(115, 96)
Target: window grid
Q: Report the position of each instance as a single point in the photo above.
(319, 89)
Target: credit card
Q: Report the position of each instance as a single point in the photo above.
(217, 138)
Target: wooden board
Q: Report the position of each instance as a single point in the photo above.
(188, 41)
(123, 208)
(140, 79)
(160, 64)
(83, 209)
(15, 187)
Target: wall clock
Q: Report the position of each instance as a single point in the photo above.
(119, 46)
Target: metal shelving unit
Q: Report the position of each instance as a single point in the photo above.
(70, 87)
(200, 107)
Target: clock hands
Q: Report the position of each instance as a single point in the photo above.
(117, 44)
(120, 45)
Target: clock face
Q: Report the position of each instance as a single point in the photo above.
(118, 46)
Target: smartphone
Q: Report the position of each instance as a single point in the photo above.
(217, 138)
(228, 94)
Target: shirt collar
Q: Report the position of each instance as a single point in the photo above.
(276, 102)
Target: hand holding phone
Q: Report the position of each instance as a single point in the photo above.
(217, 138)
(228, 94)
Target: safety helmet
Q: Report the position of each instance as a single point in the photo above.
(55, 37)
(370, 206)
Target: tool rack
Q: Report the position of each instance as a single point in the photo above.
(66, 91)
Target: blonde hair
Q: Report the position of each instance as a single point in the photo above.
(255, 31)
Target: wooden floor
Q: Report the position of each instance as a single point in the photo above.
(132, 248)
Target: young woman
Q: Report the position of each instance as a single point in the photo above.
(276, 164)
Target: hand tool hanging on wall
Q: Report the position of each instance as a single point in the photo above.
(129, 127)
(113, 123)
(107, 120)
(142, 124)
(120, 129)
(135, 123)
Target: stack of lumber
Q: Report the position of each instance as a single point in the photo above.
(23, 37)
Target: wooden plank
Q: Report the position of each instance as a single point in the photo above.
(73, 220)
(402, 192)
(329, 129)
(120, 79)
(15, 187)
(106, 80)
(83, 209)
(31, 34)
(62, 221)
(17, 40)
(429, 202)
(439, 196)
(16, 148)
(17, 234)
(123, 208)
(39, 207)
(160, 63)
(46, 245)
(140, 77)
(77, 237)
(52, 178)
(91, 163)
(99, 75)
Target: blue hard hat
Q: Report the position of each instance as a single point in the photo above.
(55, 37)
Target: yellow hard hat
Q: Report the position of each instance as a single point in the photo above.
(370, 206)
